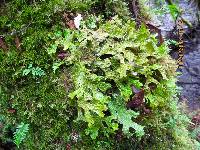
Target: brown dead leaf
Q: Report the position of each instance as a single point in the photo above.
(68, 20)
(2, 44)
(71, 24)
(62, 55)
(11, 111)
(137, 100)
(17, 42)
(155, 29)
(68, 147)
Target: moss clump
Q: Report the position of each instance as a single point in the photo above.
(72, 86)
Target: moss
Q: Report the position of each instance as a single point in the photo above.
(82, 101)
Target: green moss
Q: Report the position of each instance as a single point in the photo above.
(81, 99)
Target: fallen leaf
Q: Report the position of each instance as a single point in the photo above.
(68, 19)
(62, 55)
(11, 111)
(68, 147)
(71, 24)
(2, 44)
(153, 28)
(17, 42)
(138, 98)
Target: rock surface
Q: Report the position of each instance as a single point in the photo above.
(164, 20)
(189, 79)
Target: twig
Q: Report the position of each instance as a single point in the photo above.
(186, 22)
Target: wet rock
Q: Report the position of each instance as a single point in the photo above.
(189, 79)
(164, 20)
